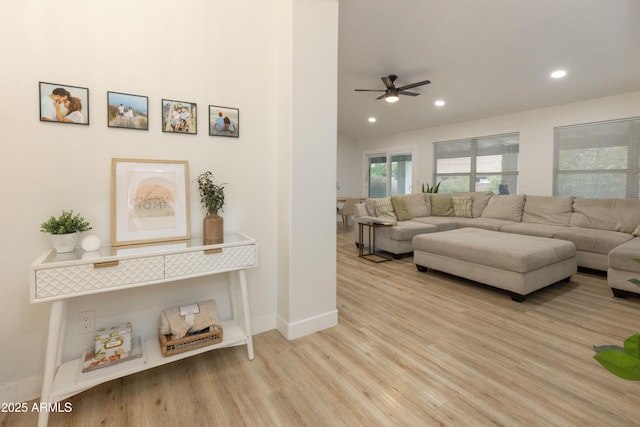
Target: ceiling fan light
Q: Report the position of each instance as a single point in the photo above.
(391, 98)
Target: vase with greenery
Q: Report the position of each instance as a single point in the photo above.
(64, 230)
(212, 199)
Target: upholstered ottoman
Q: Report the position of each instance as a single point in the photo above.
(516, 263)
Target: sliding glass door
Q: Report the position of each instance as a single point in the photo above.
(389, 174)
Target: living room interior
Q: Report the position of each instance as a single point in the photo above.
(277, 63)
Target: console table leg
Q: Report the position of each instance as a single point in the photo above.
(244, 295)
(52, 359)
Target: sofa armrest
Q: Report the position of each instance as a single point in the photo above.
(375, 219)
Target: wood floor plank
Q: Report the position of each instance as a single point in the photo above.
(411, 348)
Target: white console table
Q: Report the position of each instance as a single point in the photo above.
(60, 277)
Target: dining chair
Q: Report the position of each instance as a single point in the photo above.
(347, 210)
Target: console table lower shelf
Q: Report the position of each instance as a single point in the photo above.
(68, 382)
(58, 278)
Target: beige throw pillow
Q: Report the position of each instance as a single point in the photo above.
(462, 206)
(441, 205)
(636, 232)
(400, 208)
(384, 208)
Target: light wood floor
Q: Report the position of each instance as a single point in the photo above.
(411, 349)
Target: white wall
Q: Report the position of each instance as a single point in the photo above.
(536, 139)
(350, 174)
(214, 52)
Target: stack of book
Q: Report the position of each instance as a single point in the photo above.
(90, 366)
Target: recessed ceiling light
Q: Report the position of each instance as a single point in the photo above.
(558, 74)
(439, 102)
(372, 119)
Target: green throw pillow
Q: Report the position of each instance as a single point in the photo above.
(400, 208)
(441, 205)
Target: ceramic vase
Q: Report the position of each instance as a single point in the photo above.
(213, 229)
(63, 243)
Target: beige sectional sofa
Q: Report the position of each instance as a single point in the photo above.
(604, 231)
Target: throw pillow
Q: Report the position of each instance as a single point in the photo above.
(441, 205)
(636, 232)
(462, 206)
(400, 208)
(417, 205)
(384, 208)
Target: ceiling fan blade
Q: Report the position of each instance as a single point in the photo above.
(388, 81)
(370, 90)
(425, 82)
(404, 92)
(381, 96)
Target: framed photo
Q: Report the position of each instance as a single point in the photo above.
(127, 111)
(224, 121)
(150, 201)
(179, 117)
(64, 104)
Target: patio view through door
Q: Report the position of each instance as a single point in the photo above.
(389, 174)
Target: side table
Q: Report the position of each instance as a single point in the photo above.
(371, 255)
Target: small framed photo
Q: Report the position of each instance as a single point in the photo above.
(224, 121)
(64, 103)
(179, 117)
(127, 111)
(150, 201)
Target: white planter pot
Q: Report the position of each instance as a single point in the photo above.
(64, 242)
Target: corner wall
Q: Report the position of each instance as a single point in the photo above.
(216, 53)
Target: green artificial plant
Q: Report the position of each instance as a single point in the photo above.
(66, 223)
(211, 195)
(429, 189)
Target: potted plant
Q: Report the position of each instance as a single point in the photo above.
(64, 230)
(212, 199)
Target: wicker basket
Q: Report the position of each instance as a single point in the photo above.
(171, 346)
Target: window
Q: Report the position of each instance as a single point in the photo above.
(478, 164)
(597, 160)
(389, 174)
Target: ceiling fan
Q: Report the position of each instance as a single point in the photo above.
(391, 93)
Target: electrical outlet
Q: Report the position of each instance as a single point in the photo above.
(86, 322)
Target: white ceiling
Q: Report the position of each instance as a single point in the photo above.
(483, 57)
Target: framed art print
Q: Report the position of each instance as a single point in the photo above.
(224, 121)
(150, 201)
(127, 111)
(179, 117)
(64, 104)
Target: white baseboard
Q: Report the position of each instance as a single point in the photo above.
(294, 330)
(22, 391)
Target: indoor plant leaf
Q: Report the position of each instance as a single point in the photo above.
(620, 364)
(632, 346)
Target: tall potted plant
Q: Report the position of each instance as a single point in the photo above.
(64, 230)
(212, 199)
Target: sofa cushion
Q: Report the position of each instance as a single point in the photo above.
(622, 257)
(383, 208)
(441, 205)
(418, 204)
(508, 207)
(592, 240)
(479, 200)
(484, 223)
(462, 206)
(532, 229)
(606, 214)
(548, 209)
(405, 230)
(400, 208)
(442, 222)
